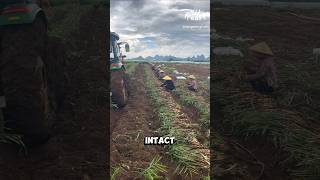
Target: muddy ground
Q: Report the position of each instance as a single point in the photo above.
(77, 149)
(202, 71)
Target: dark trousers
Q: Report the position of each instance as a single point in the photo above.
(191, 88)
(261, 87)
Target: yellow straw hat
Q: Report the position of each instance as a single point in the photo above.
(191, 77)
(167, 78)
(262, 48)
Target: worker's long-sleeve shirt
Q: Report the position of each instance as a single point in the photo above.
(266, 71)
(193, 85)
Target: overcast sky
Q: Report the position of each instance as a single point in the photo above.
(162, 27)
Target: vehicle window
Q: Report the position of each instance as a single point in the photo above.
(110, 47)
(118, 50)
(111, 51)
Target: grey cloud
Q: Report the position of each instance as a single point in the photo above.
(148, 18)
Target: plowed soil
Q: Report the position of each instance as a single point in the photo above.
(200, 70)
(129, 126)
(77, 149)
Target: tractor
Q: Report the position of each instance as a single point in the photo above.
(119, 86)
(28, 106)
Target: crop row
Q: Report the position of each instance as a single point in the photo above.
(181, 152)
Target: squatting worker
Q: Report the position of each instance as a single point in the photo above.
(168, 83)
(192, 83)
(262, 74)
(161, 74)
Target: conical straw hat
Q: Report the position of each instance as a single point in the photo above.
(262, 48)
(167, 78)
(191, 77)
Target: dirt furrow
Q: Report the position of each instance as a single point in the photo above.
(133, 122)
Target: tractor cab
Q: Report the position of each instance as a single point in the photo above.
(119, 92)
(114, 48)
(116, 53)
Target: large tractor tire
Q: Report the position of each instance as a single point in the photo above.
(119, 88)
(24, 80)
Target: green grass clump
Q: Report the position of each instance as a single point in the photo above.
(206, 178)
(154, 169)
(186, 158)
(116, 171)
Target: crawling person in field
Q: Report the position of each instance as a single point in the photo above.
(192, 83)
(262, 73)
(168, 83)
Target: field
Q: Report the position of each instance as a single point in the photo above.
(151, 111)
(77, 148)
(280, 133)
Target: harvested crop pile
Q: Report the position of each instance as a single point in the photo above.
(252, 115)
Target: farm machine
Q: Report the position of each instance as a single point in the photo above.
(26, 94)
(119, 90)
